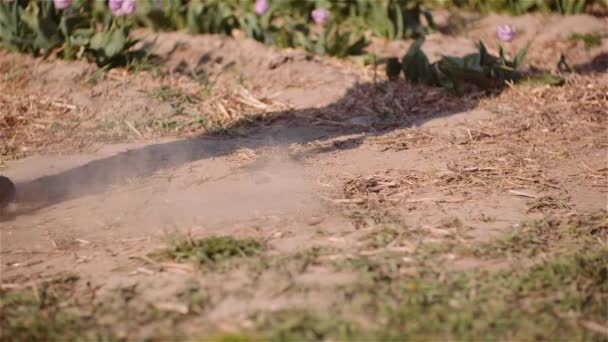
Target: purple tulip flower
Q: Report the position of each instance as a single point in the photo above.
(122, 7)
(320, 15)
(506, 33)
(115, 5)
(62, 4)
(261, 6)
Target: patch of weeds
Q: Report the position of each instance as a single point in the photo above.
(202, 77)
(195, 297)
(547, 202)
(364, 218)
(96, 76)
(130, 316)
(549, 235)
(427, 250)
(168, 124)
(292, 264)
(303, 325)
(213, 249)
(171, 95)
(47, 312)
(381, 238)
(176, 98)
(518, 304)
(593, 225)
(387, 226)
(388, 270)
(529, 240)
(546, 300)
(234, 337)
(590, 39)
(144, 60)
(14, 73)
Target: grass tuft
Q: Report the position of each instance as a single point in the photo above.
(213, 249)
(591, 40)
(46, 312)
(549, 235)
(303, 325)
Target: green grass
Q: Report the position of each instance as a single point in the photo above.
(212, 249)
(184, 112)
(517, 7)
(381, 238)
(303, 325)
(518, 304)
(234, 337)
(170, 94)
(552, 298)
(46, 312)
(549, 235)
(558, 289)
(560, 294)
(57, 311)
(515, 304)
(591, 40)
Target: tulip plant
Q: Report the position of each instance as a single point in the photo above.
(330, 40)
(481, 68)
(99, 29)
(68, 27)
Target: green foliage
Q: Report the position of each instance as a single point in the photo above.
(195, 296)
(549, 234)
(391, 297)
(382, 238)
(234, 338)
(520, 6)
(515, 304)
(590, 39)
(214, 249)
(520, 303)
(111, 47)
(274, 27)
(415, 64)
(44, 313)
(333, 42)
(214, 16)
(91, 30)
(301, 325)
(390, 19)
(38, 28)
(162, 14)
(29, 26)
(481, 69)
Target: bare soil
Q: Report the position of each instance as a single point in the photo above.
(230, 137)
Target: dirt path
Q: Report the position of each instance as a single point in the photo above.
(297, 153)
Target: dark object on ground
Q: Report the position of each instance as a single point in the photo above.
(7, 191)
(393, 69)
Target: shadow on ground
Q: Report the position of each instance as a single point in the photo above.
(366, 109)
(598, 64)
